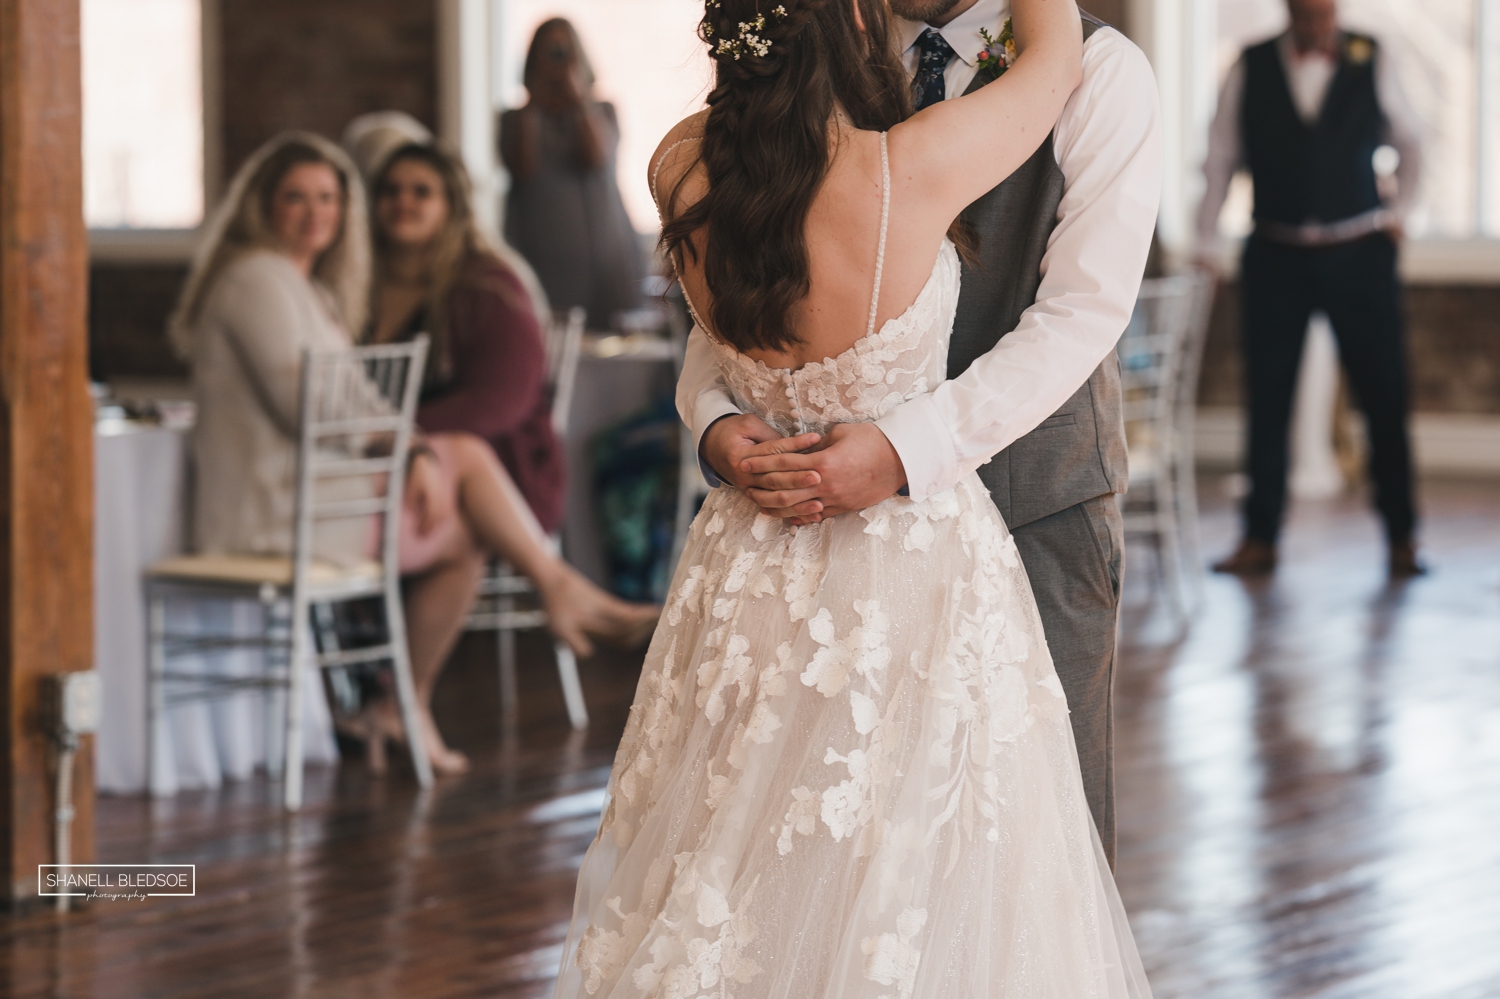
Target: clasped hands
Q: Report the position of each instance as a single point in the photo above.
(806, 478)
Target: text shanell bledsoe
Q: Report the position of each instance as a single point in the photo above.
(116, 879)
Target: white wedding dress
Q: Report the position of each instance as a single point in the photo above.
(848, 772)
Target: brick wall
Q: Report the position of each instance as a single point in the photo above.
(315, 65)
(128, 309)
(311, 64)
(1453, 333)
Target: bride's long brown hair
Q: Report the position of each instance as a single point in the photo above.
(766, 149)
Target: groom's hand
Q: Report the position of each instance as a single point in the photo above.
(855, 464)
(731, 440)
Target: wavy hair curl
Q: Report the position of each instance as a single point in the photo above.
(765, 149)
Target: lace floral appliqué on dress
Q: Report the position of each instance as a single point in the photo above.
(848, 772)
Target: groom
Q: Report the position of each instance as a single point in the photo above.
(1033, 400)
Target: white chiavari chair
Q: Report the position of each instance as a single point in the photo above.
(357, 410)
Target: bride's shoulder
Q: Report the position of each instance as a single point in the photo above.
(676, 154)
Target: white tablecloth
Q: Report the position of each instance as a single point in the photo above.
(140, 516)
(609, 388)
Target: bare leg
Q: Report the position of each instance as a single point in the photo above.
(443, 570)
(497, 516)
(436, 604)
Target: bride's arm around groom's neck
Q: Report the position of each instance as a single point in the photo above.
(1108, 146)
(995, 128)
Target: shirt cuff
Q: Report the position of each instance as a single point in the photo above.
(710, 409)
(924, 445)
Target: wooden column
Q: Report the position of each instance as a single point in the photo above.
(46, 424)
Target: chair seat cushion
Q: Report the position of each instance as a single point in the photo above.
(259, 570)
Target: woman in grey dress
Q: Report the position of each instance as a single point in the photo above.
(564, 211)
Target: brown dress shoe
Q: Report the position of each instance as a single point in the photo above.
(1251, 558)
(1404, 563)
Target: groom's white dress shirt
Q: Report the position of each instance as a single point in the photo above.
(1308, 76)
(1108, 145)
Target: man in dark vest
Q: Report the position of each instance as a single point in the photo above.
(1306, 112)
(1033, 400)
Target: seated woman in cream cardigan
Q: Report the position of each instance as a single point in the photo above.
(286, 267)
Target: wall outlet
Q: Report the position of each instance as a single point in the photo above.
(70, 703)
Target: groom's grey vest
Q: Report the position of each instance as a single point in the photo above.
(1078, 452)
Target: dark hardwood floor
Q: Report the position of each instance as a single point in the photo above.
(1310, 777)
(1308, 780)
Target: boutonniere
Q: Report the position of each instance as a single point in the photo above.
(1358, 50)
(998, 54)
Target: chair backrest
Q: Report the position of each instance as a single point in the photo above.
(1190, 363)
(1152, 356)
(564, 348)
(358, 407)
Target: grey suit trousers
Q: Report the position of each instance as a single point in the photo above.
(1075, 559)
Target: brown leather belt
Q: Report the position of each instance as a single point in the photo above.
(1326, 233)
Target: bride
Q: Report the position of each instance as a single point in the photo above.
(848, 772)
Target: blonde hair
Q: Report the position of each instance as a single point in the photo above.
(241, 225)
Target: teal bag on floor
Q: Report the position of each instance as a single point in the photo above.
(635, 485)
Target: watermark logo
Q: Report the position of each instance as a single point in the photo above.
(116, 882)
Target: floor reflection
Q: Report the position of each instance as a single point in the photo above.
(1309, 798)
(1309, 782)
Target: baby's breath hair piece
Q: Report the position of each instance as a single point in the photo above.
(749, 41)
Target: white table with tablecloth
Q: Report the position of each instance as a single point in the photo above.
(140, 517)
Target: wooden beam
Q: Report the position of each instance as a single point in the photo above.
(46, 424)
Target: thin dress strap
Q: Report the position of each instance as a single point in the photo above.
(655, 174)
(656, 170)
(885, 217)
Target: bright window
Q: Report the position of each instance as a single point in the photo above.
(647, 60)
(142, 114)
(1441, 61)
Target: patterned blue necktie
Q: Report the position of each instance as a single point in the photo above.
(927, 86)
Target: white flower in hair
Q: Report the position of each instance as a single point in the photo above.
(749, 40)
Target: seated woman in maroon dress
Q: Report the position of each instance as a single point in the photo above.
(486, 381)
(487, 372)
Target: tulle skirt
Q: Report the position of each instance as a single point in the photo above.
(848, 773)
